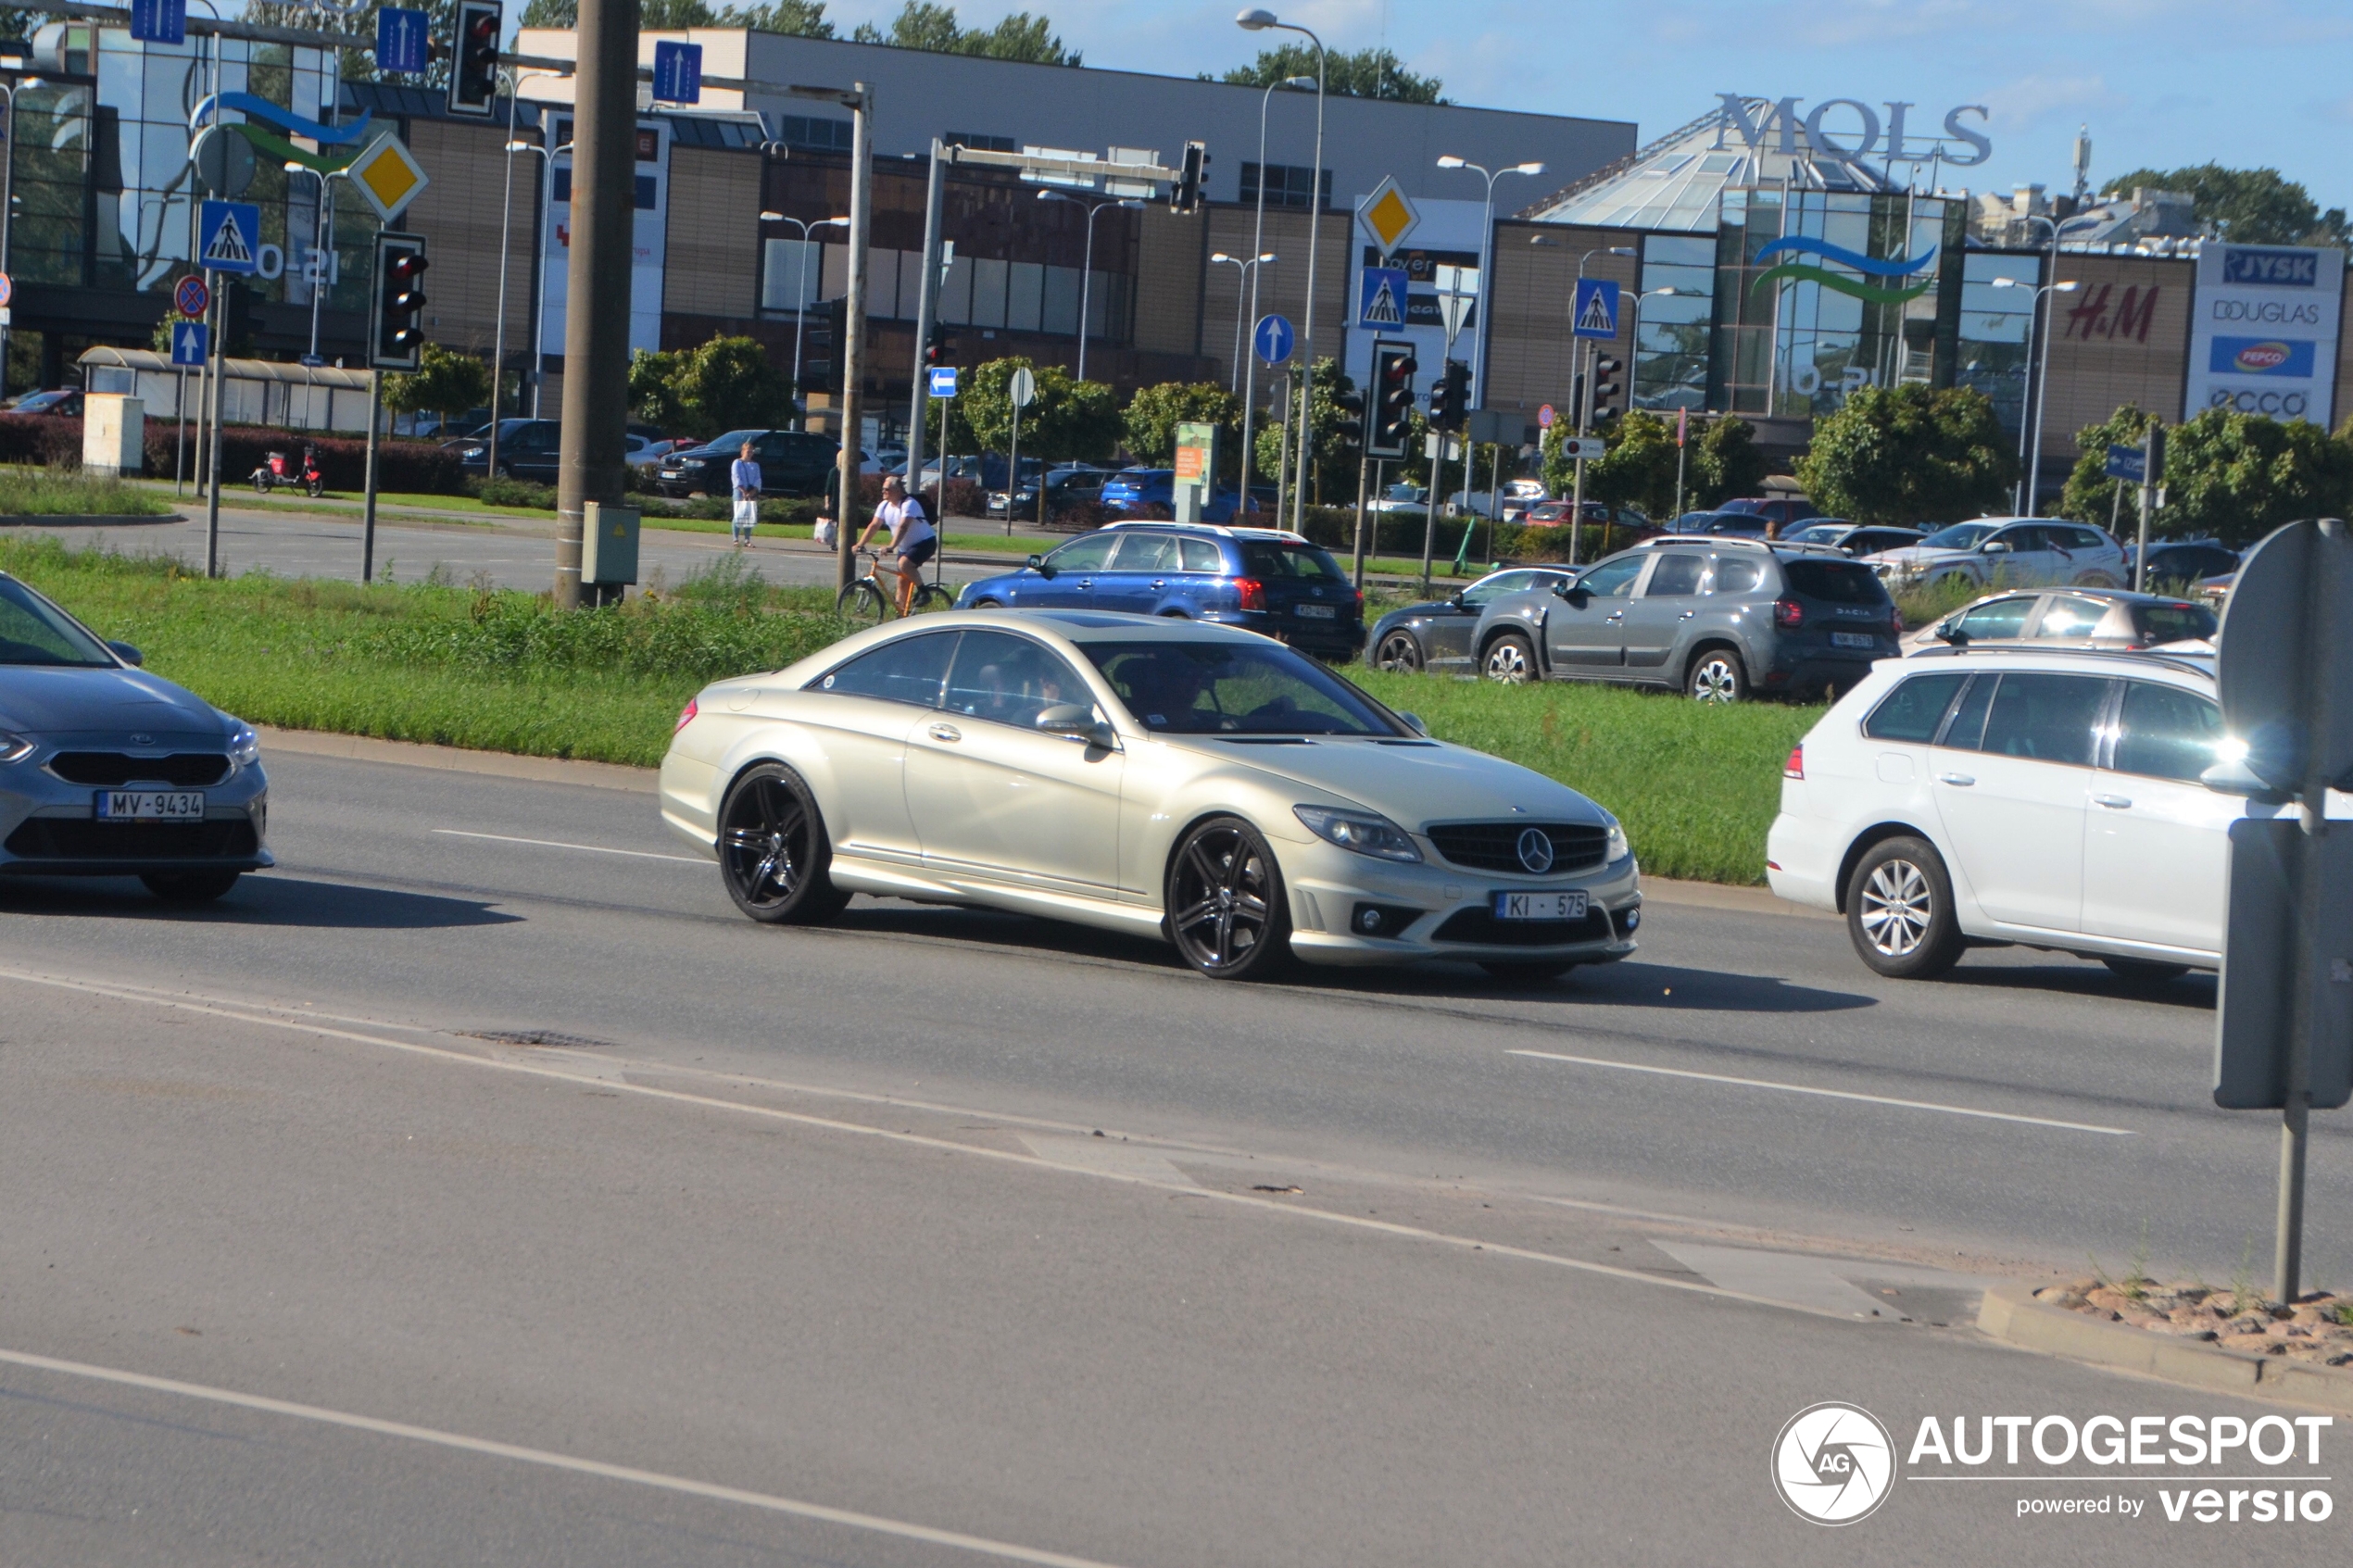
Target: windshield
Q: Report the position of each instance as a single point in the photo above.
(1226, 688)
(734, 439)
(33, 631)
(1960, 536)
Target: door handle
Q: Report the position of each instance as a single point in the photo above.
(946, 731)
(2113, 802)
(1086, 582)
(1961, 779)
(1686, 615)
(1615, 619)
(1160, 582)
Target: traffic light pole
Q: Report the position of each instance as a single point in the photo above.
(1584, 412)
(926, 315)
(853, 333)
(1364, 476)
(212, 467)
(368, 512)
(596, 400)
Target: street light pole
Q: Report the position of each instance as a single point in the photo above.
(8, 202)
(1258, 247)
(2026, 378)
(1243, 268)
(1086, 267)
(1257, 20)
(1584, 405)
(1486, 270)
(801, 289)
(318, 234)
(2040, 360)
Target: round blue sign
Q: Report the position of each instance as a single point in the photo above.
(192, 297)
(1273, 339)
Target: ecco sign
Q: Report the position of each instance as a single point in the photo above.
(1790, 132)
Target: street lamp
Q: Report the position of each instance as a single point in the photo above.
(318, 239)
(1258, 244)
(800, 294)
(1087, 270)
(1245, 269)
(548, 157)
(1258, 20)
(1486, 263)
(8, 201)
(2038, 350)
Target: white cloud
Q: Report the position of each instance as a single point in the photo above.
(2029, 101)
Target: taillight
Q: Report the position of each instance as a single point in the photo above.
(1252, 592)
(1795, 767)
(685, 716)
(1788, 612)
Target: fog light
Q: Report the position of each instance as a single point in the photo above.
(1368, 921)
(1381, 920)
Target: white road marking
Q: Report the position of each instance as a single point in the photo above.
(1825, 1093)
(766, 1500)
(558, 844)
(1790, 1276)
(1114, 1156)
(538, 1069)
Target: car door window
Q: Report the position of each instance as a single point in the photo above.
(2085, 539)
(2000, 618)
(2065, 616)
(1009, 679)
(2021, 541)
(1084, 555)
(2045, 718)
(1494, 585)
(1146, 552)
(1614, 579)
(1737, 576)
(908, 670)
(1913, 709)
(1676, 576)
(1200, 554)
(2166, 732)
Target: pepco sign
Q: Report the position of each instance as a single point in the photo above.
(2244, 289)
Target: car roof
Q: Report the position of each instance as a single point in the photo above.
(2112, 595)
(2198, 664)
(1096, 625)
(1211, 530)
(1789, 547)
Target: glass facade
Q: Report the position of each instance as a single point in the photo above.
(1670, 349)
(1994, 330)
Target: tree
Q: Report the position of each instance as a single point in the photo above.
(653, 389)
(1155, 411)
(1019, 36)
(1724, 462)
(1332, 465)
(1069, 418)
(444, 382)
(1910, 455)
(2248, 206)
(2238, 476)
(1639, 469)
(725, 384)
(794, 19)
(2091, 495)
(1369, 73)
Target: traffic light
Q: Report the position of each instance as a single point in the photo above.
(1450, 399)
(1185, 197)
(1605, 384)
(1393, 367)
(400, 302)
(937, 348)
(1351, 429)
(473, 67)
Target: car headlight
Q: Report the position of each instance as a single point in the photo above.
(1615, 848)
(14, 747)
(245, 746)
(1366, 833)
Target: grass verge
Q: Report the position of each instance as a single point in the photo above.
(54, 492)
(498, 671)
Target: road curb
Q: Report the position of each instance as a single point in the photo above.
(458, 760)
(86, 520)
(2010, 1314)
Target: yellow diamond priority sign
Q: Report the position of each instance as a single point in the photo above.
(1388, 215)
(388, 175)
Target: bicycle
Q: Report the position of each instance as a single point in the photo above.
(868, 601)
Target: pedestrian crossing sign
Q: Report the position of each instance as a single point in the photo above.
(1381, 298)
(228, 237)
(189, 342)
(1596, 314)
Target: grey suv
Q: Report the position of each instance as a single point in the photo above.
(1717, 618)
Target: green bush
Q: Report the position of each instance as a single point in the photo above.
(500, 490)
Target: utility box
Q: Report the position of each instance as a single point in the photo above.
(114, 433)
(608, 545)
(1196, 469)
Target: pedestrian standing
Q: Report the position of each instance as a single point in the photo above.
(743, 478)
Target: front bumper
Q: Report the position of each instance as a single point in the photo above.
(1440, 911)
(49, 827)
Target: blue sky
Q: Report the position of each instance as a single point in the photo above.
(2162, 82)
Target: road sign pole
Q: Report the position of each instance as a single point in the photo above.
(2150, 443)
(926, 314)
(217, 356)
(1584, 405)
(1364, 471)
(1013, 474)
(368, 506)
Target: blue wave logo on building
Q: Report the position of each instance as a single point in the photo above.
(344, 137)
(1892, 293)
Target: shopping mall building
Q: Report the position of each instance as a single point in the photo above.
(1772, 255)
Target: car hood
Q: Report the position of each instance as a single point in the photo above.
(1918, 555)
(1410, 784)
(45, 700)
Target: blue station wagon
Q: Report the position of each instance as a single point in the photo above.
(1260, 578)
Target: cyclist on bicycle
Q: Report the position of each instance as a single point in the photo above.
(913, 539)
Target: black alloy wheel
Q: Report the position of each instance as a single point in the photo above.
(773, 854)
(1400, 651)
(190, 887)
(1899, 911)
(1228, 912)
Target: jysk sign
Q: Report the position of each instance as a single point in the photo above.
(2263, 331)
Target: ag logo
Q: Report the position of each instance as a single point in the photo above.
(1833, 1464)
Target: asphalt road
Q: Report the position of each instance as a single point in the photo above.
(786, 1224)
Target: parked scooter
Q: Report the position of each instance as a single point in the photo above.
(277, 471)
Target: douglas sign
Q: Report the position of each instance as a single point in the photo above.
(1764, 125)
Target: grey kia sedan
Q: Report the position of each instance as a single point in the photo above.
(107, 771)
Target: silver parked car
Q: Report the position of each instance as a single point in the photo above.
(107, 771)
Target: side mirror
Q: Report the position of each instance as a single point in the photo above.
(1077, 720)
(2237, 778)
(1993, 547)
(128, 654)
(1951, 631)
(1038, 564)
(1413, 722)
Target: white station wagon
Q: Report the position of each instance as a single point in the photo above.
(2049, 798)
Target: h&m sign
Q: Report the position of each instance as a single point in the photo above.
(1760, 122)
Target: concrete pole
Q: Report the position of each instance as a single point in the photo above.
(368, 512)
(853, 352)
(604, 166)
(212, 467)
(498, 334)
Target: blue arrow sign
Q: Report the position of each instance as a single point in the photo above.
(228, 237)
(677, 73)
(2128, 462)
(1596, 314)
(400, 39)
(1380, 299)
(943, 382)
(159, 22)
(190, 340)
(1272, 337)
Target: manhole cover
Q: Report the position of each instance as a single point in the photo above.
(535, 1038)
